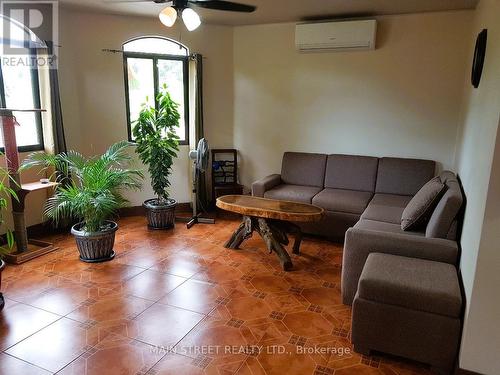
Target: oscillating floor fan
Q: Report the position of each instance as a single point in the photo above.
(200, 158)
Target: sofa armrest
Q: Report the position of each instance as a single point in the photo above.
(359, 243)
(267, 183)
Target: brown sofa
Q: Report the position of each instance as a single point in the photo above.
(364, 198)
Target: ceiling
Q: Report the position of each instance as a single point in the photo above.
(273, 11)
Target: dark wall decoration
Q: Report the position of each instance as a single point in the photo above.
(479, 55)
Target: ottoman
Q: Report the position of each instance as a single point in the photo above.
(410, 308)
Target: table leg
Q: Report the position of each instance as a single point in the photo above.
(273, 244)
(243, 232)
(297, 242)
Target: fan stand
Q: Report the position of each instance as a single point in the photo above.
(196, 219)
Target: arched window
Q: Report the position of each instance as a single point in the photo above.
(19, 82)
(150, 63)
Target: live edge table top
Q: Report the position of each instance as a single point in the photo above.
(270, 208)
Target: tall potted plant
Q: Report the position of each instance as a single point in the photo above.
(5, 193)
(91, 193)
(157, 146)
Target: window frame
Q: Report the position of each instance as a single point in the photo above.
(155, 57)
(35, 84)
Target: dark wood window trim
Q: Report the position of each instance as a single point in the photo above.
(155, 58)
(35, 80)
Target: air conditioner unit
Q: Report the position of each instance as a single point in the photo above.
(336, 36)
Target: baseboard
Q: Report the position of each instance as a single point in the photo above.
(140, 210)
(460, 371)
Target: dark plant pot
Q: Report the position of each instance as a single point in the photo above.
(160, 216)
(2, 301)
(95, 247)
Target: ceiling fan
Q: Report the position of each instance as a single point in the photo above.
(191, 19)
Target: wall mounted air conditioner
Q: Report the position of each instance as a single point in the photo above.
(336, 36)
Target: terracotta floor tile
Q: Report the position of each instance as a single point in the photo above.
(196, 296)
(27, 286)
(20, 321)
(275, 362)
(226, 339)
(233, 301)
(174, 364)
(112, 272)
(152, 285)
(307, 324)
(62, 299)
(179, 264)
(113, 308)
(12, 366)
(163, 325)
(248, 308)
(55, 346)
(271, 284)
(218, 272)
(131, 357)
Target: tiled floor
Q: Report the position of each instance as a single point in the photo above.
(179, 303)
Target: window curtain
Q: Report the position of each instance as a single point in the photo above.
(59, 139)
(199, 131)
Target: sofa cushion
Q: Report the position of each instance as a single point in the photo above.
(350, 172)
(386, 207)
(413, 283)
(382, 226)
(348, 201)
(421, 206)
(294, 193)
(303, 169)
(443, 221)
(403, 176)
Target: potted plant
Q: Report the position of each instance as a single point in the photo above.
(5, 192)
(91, 193)
(157, 146)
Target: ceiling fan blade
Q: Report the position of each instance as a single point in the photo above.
(223, 5)
(136, 1)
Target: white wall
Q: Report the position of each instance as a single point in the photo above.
(93, 93)
(402, 99)
(478, 165)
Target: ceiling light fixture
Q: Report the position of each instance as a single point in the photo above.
(191, 19)
(168, 16)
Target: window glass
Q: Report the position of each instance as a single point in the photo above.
(140, 85)
(19, 90)
(152, 63)
(158, 46)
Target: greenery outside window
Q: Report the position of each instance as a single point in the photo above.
(20, 89)
(150, 63)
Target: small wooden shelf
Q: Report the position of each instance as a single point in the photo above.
(35, 186)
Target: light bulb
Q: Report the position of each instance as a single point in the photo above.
(191, 19)
(168, 16)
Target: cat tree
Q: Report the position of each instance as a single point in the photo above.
(26, 249)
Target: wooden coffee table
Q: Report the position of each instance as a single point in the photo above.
(272, 219)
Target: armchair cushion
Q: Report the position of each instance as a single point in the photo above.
(294, 193)
(304, 169)
(387, 208)
(338, 200)
(421, 206)
(403, 176)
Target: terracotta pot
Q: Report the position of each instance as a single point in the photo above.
(2, 301)
(160, 215)
(95, 247)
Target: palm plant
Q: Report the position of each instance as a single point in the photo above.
(5, 193)
(157, 141)
(90, 189)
